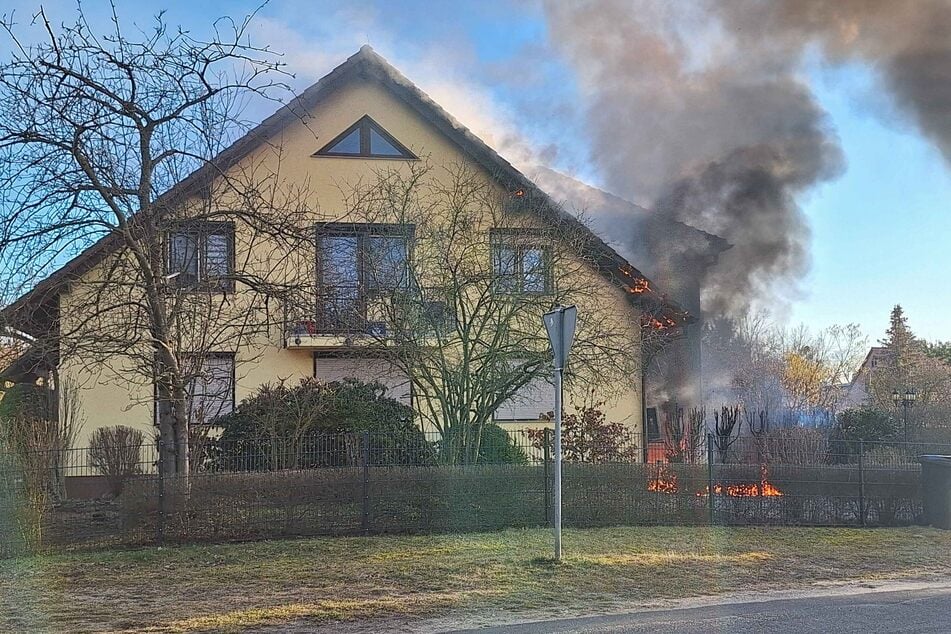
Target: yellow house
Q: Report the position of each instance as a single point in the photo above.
(357, 129)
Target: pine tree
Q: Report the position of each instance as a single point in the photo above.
(905, 351)
(909, 367)
(940, 350)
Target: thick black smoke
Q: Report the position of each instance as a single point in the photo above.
(698, 110)
(908, 42)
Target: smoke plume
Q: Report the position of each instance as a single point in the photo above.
(699, 111)
(908, 43)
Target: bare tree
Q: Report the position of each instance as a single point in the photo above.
(769, 367)
(758, 425)
(110, 143)
(675, 434)
(815, 363)
(452, 296)
(696, 440)
(725, 424)
(740, 364)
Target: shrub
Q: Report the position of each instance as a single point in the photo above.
(314, 424)
(798, 446)
(866, 423)
(116, 452)
(498, 447)
(588, 437)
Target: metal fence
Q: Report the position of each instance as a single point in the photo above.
(368, 483)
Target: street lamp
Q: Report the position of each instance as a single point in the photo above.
(906, 400)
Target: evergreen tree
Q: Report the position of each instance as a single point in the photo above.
(905, 352)
(940, 350)
(909, 366)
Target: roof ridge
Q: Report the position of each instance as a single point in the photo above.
(712, 237)
(367, 60)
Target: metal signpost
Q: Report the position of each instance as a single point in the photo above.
(560, 324)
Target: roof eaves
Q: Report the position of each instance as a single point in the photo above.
(366, 61)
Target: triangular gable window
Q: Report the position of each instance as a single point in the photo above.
(365, 138)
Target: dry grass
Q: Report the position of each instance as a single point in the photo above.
(239, 587)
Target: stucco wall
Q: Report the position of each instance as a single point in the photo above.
(108, 394)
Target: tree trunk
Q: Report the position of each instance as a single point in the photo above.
(173, 423)
(166, 448)
(476, 443)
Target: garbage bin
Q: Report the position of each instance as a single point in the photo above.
(936, 490)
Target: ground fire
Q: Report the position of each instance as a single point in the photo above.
(663, 480)
(762, 489)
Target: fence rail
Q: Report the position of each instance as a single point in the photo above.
(352, 483)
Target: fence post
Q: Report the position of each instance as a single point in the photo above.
(862, 482)
(710, 507)
(160, 524)
(365, 460)
(547, 462)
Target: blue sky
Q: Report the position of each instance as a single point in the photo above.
(880, 232)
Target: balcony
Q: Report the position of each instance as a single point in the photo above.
(343, 322)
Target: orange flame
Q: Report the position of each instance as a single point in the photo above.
(659, 324)
(662, 480)
(762, 489)
(639, 285)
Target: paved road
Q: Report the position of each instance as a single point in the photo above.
(868, 613)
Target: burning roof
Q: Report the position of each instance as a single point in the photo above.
(366, 64)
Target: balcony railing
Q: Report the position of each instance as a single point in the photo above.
(339, 317)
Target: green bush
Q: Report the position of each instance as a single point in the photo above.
(866, 423)
(852, 426)
(498, 447)
(315, 424)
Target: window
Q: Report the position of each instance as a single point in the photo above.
(437, 316)
(366, 138)
(529, 403)
(211, 391)
(520, 262)
(202, 256)
(210, 388)
(653, 428)
(398, 386)
(355, 262)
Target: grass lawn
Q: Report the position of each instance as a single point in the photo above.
(235, 587)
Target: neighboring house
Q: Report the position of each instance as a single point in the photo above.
(362, 117)
(858, 392)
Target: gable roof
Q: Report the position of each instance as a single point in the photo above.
(367, 64)
(611, 215)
